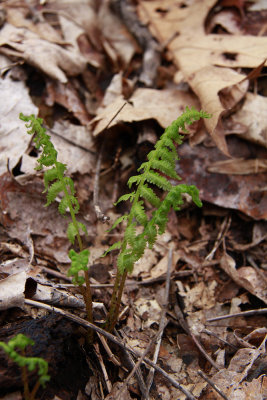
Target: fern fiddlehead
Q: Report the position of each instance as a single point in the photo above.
(55, 183)
(157, 171)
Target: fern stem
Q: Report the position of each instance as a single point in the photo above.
(113, 302)
(25, 381)
(34, 390)
(118, 301)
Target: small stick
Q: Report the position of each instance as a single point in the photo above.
(111, 337)
(100, 215)
(162, 324)
(138, 372)
(258, 270)
(215, 387)
(223, 230)
(218, 337)
(109, 352)
(185, 326)
(141, 359)
(240, 314)
(105, 374)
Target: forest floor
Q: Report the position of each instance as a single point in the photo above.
(107, 77)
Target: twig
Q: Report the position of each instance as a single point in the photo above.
(215, 387)
(146, 351)
(258, 270)
(218, 337)
(260, 350)
(101, 362)
(240, 314)
(152, 49)
(185, 326)
(100, 215)
(223, 230)
(109, 336)
(138, 372)
(162, 324)
(109, 352)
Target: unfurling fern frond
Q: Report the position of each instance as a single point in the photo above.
(79, 262)
(148, 194)
(161, 160)
(54, 179)
(53, 192)
(125, 197)
(57, 183)
(73, 230)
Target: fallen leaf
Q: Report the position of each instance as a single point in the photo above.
(253, 115)
(52, 59)
(206, 60)
(12, 291)
(145, 104)
(14, 139)
(245, 277)
(239, 166)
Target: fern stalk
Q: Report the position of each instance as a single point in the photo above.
(158, 171)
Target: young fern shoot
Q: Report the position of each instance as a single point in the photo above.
(55, 183)
(158, 171)
(31, 363)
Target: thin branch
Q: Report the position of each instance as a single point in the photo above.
(100, 215)
(132, 364)
(215, 387)
(185, 326)
(223, 230)
(240, 314)
(162, 324)
(111, 337)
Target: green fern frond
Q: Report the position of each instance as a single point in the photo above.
(130, 234)
(151, 234)
(125, 197)
(161, 160)
(147, 193)
(125, 261)
(79, 262)
(115, 246)
(139, 213)
(63, 205)
(49, 176)
(118, 221)
(134, 179)
(69, 183)
(165, 167)
(139, 246)
(160, 181)
(72, 231)
(53, 192)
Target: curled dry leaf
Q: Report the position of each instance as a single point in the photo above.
(253, 115)
(12, 291)
(239, 166)
(245, 277)
(14, 141)
(145, 104)
(205, 60)
(52, 59)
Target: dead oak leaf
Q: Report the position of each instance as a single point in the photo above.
(54, 60)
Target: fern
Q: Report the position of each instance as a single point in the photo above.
(158, 171)
(56, 183)
(21, 341)
(161, 160)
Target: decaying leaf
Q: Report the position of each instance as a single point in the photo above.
(206, 60)
(246, 277)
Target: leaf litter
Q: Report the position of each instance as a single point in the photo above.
(77, 66)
